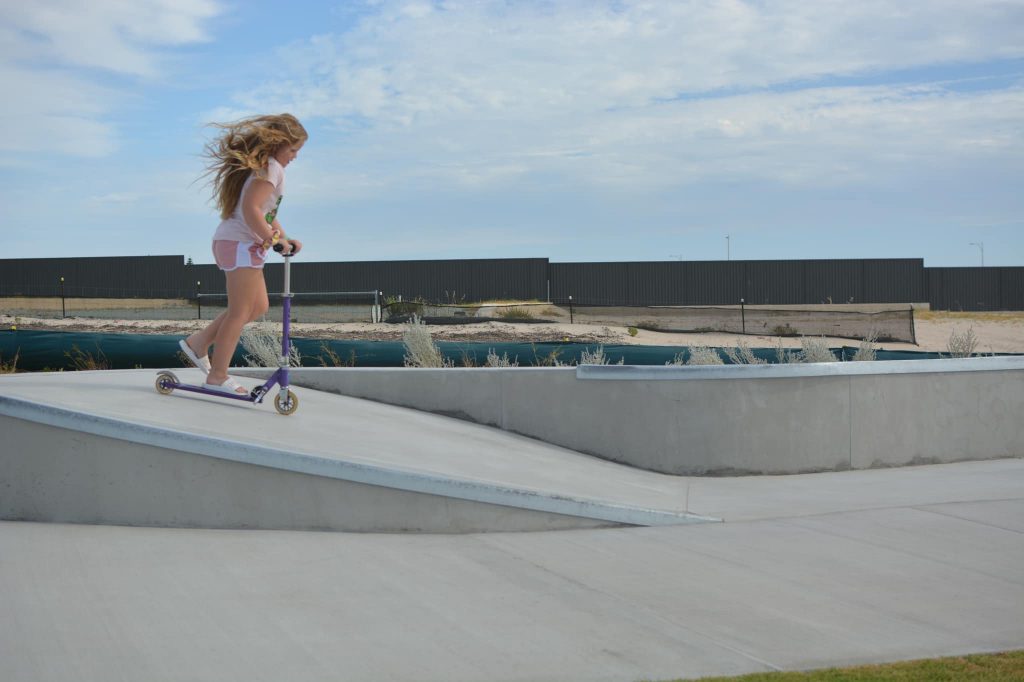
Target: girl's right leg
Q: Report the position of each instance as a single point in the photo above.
(247, 300)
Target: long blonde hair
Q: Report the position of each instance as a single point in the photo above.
(243, 147)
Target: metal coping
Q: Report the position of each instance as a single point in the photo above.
(796, 370)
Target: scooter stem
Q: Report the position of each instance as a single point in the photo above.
(286, 305)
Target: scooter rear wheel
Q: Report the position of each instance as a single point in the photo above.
(288, 405)
(165, 381)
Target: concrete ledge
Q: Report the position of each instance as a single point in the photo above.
(752, 419)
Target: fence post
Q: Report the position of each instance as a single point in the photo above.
(570, 309)
(199, 302)
(63, 310)
(743, 315)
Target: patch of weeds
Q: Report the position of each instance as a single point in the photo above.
(494, 360)
(699, 355)
(1000, 667)
(597, 357)
(329, 358)
(866, 351)
(514, 313)
(84, 361)
(451, 298)
(942, 315)
(549, 360)
(9, 367)
(395, 307)
(815, 349)
(784, 356)
(784, 330)
(961, 344)
(742, 355)
(263, 346)
(420, 349)
(633, 331)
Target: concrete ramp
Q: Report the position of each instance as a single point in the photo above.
(105, 447)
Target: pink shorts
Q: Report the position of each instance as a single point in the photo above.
(231, 255)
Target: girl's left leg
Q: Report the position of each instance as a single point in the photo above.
(201, 340)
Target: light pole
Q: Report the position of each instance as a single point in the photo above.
(727, 254)
(981, 246)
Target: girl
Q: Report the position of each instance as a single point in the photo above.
(247, 163)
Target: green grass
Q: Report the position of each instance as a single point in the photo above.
(1003, 667)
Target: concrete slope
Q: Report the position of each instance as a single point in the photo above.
(137, 457)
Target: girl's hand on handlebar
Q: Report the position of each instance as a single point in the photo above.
(293, 246)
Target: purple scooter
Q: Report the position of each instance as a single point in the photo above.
(286, 402)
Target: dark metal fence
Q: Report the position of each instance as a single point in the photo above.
(631, 283)
(992, 288)
(99, 277)
(755, 282)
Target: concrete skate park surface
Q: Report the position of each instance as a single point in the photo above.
(807, 571)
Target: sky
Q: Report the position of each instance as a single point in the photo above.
(574, 130)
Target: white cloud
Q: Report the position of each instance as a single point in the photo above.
(647, 92)
(118, 36)
(54, 55)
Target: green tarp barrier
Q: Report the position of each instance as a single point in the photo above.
(50, 350)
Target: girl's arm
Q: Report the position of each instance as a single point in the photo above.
(255, 197)
(277, 226)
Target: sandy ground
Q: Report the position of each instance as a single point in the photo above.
(995, 332)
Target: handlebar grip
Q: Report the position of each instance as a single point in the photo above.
(279, 247)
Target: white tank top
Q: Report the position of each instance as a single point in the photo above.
(235, 228)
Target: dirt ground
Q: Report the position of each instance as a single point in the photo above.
(996, 332)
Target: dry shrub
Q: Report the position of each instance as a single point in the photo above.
(867, 351)
(597, 357)
(815, 349)
(700, 355)
(420, 349)
(742, 355)
(9, 367)
(962, 344)
(784, 356)
(263, 346)
(494, 360)
(84, 361)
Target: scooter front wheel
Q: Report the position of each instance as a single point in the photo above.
(288, 405)
(165, 382)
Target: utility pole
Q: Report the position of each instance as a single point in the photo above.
(980, 245)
